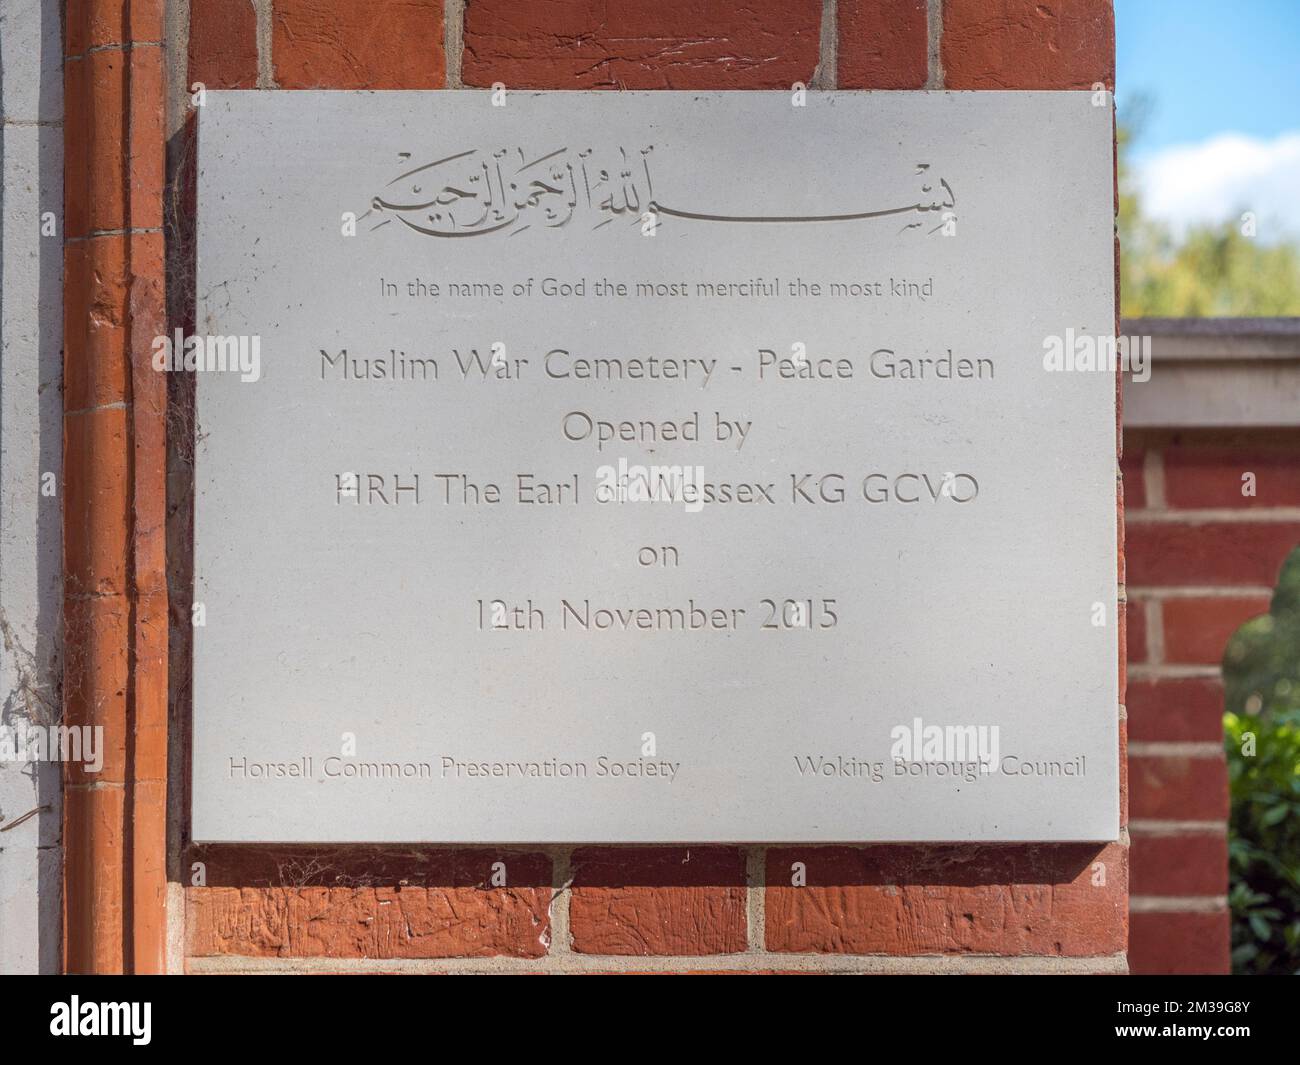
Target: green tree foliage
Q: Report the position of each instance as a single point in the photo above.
(1261, 670)
(1213, 271)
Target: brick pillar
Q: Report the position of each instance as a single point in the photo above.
(114, 452)
(1005, 908)
(1203, 558)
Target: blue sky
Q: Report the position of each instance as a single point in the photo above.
(1221, 126)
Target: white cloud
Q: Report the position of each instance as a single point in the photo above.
(1221, 177)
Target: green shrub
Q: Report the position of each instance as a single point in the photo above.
(1262, 732)
(1264, 844)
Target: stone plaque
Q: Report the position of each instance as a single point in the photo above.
(654, 467)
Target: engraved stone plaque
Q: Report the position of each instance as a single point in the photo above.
(654, 467)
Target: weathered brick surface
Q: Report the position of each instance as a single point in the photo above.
(1133, 467)
(1176, 709)
(1179, 943)
(883, 44)
(382, 922)
(223, 44)
(1178, 788)
(662, 900)
(670, 44)
(368, 903)
(113, 168)
(95, 851)
(342, 44)
(1024, 44)
(100, 192)
(103, 184)
(1193, 863)
(1197, 628)
(1121, 639)
(96, 482)
(1208, 554)
(1216, 477)
(1135, 628)
(1123, 771)
(949, 899)
(97, 315)
(103, 23)
(95, 682)
(145, 162)
(95, 362)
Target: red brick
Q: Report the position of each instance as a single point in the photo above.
(1024, 44)
(630, 44)
(95, 840)
(1197, 629)
(882, 44)
(103, 23)
(97, 314)
(103, 125)
(1178, 788)
(1192, 864)
(223, 44)
(905, 900)
(96, 680)
(144, 151)
(1136, 625)
(1121, 644)
(342, 44)
(662, 900)
(1200, 554)
(1133, 466)
(1212, 477)
(1179, 943)
(1123, 772)
(380, 922)
(106, 82)
(96, 502)
(149, 734)
(367, 903)
(1184, 709)
(95, 371)
(1121, 577)
(77, 21)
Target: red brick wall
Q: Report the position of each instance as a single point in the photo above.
(1202, 559)
(868, 908)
